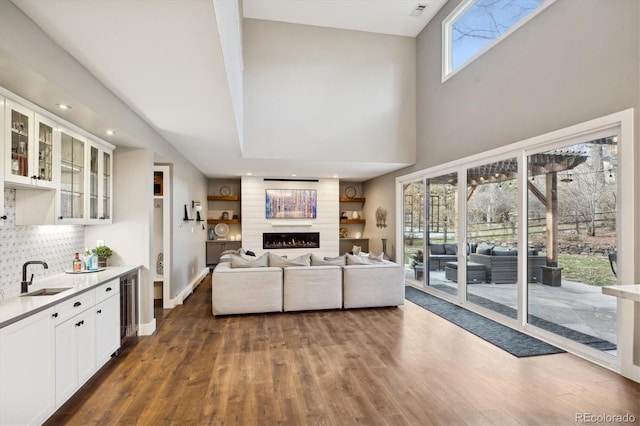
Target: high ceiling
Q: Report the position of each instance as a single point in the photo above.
(164, 60)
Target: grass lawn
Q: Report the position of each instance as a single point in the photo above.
(592, 270)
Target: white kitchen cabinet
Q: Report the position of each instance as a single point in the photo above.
(27, 369)
(72, 204)
(18, 149)
(47, 149)
(100, 170)
(3, 215)
(107, 311)
(75, 354)
(30, 147)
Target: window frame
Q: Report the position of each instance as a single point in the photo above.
(447, 36)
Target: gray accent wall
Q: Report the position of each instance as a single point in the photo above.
(575, 61)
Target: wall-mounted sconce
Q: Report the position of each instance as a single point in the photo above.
(186, 213)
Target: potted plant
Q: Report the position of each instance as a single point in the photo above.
(103, 253)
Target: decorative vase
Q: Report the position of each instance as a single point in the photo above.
(354, 215)
(384, 248)
(102, 262)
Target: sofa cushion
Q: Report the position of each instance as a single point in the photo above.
(281, 261)
(497, 251)
(252, 262)
(356, 250)
(352, 259)
(451, 249)
(437, 249)
(319, 261)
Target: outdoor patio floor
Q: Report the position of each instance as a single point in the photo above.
(573, 305)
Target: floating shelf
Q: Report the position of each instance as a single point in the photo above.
(347, 221)
(223, 198)
(352, 200)
(230, 221)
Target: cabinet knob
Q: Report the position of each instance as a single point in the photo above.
(60, 217)
(3, 217)
(55, 315)
(34, 177)
(75, 305)
(99, 311)
(108, 289)
(78, 324)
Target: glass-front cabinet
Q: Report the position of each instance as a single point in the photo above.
(30, 147)
(100, 183)
(46, 148)
(3, 217)
(18, 143)
(71, 207)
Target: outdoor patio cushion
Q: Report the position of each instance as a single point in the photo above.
(437, 249)
(451, 248)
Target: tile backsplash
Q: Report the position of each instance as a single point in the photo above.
(53, 244)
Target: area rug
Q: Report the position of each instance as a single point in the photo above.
(512, 341)
(560, 330)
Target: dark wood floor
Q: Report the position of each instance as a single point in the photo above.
(392, 366)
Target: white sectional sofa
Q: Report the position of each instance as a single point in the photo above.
(239, 291)
(312, 287)
(368, 286)
(298, 288)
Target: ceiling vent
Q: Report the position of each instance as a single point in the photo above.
(418, 10)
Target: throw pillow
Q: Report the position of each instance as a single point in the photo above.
(280, 261)
(356, 250)
(318, 261)
(352, 259)
(376, 257)
(484, 249)
(240, 262)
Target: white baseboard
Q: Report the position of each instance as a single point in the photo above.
(147, 329)
(179, 299)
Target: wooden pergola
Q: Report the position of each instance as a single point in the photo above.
(547, 164)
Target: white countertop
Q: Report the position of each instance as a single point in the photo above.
(631, 292)
(14, 307)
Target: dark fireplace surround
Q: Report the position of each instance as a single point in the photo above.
(290, 240)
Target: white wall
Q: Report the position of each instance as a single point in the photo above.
(188, 238)
(130, 234)
(321, 94)
(254, 222)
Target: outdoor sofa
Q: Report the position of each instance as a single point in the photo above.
(502, 265)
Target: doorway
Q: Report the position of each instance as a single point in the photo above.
(162, 236)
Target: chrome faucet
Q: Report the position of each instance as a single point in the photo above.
(25, 284)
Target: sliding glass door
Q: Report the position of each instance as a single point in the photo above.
(413, 232)
(430, 233)
(492, 236)
(572, 225)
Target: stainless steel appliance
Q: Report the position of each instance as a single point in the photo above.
(128, 306)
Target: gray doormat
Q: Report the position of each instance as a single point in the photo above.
(512, 341)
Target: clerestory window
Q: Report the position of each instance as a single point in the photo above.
(477, 25)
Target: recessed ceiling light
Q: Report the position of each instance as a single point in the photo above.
(335, 176)
(293, 175)
(64, 106)
(249, 173)
(111, 132)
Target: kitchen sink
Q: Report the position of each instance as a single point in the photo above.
(48, 291)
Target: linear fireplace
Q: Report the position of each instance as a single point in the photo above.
(288, 240)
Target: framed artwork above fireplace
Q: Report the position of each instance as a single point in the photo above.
(291, 203)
